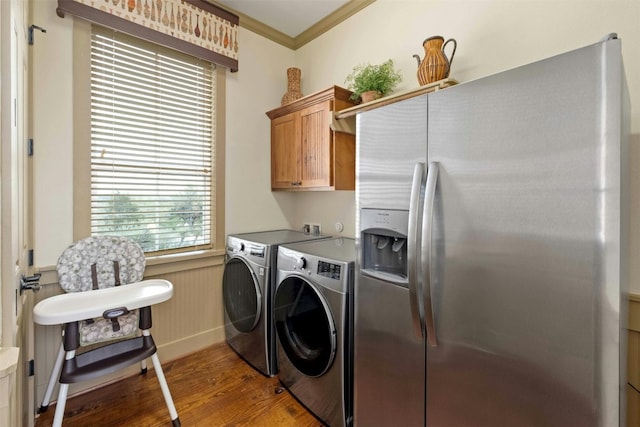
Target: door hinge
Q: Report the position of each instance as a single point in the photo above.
(30, 257)
(31, 368)
(31, 28)
(30, 147)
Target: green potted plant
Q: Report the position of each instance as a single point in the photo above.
(378, 79)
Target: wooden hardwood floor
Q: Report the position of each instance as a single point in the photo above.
(212, 387)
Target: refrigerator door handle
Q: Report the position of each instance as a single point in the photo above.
(412, 251)
(427, 226)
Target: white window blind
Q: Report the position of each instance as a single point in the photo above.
(152, 136)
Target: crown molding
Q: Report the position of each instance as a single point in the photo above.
(347, 10)
(259, 28)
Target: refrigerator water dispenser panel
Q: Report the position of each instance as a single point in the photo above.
(384, 244)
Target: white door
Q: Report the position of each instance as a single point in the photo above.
(16, 307)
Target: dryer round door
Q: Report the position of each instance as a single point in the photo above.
(305, 326)
(241, 294)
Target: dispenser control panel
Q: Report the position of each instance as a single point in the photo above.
(384, 244)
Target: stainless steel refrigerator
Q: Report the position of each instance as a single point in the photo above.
(492, 247)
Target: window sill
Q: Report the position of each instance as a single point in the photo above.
(158, 265)
(163, 264)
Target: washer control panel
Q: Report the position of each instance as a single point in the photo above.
(246, 248)
(324, 263)
(255, 252)
(327, 269)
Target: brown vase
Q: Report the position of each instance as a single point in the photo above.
(293, 86)
(435, 65)
(370, 95)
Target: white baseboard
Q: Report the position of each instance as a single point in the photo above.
(187, 345)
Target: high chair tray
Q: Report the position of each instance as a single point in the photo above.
(74, 306)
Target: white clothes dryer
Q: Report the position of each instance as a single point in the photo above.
(248, 284)
(313, 315)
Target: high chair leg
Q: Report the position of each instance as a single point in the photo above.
(60, 404)
(55, 375)
(62, 394)
(165, 390)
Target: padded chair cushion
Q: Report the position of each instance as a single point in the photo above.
(74, 265)
(101, 329)
(75, 275)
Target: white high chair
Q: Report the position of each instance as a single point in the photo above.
(99, 308)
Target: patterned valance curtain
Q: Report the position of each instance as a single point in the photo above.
(195, 27)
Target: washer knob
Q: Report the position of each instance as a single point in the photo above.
(241, 247)
(301, 263)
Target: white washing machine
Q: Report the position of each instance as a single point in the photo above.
(313, 315)
(247, 286)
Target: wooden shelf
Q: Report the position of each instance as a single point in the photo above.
(431, 87)
(344, 120)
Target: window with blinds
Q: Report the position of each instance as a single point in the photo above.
(152, 140)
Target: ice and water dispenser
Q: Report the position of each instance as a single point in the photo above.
(384, 244)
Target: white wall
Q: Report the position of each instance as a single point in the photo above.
(52, 78)
(256, 88)
(492, 36)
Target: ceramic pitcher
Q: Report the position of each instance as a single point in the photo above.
(435, 65)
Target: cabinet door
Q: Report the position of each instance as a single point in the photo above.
(317, 145)
(285, 151)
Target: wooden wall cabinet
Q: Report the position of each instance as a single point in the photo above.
(306, 152)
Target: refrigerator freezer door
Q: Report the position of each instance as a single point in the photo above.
(388, 346)
(389, 358)
(388, 340)
(527, 257)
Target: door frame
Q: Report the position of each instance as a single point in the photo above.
(15, 306)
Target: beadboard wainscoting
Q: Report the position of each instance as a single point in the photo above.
(8, 366)
(192, 320)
